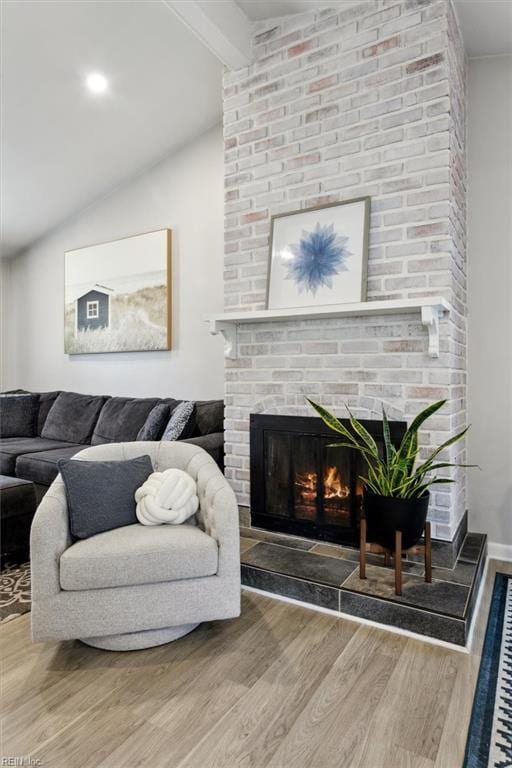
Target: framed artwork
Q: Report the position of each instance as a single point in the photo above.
(118, 295)
(319, 256)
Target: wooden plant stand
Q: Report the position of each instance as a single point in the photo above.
(397, 554)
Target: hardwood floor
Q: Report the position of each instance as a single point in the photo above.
(280, 687)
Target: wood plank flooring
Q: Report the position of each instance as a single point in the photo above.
(280, 687)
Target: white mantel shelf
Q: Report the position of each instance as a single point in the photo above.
(431, 309)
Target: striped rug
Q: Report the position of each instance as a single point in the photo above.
(489, 743)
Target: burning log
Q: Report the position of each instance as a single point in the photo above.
(334, 488)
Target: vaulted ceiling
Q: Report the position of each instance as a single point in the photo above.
(63, 147)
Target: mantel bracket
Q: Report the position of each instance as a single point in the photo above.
(430, 316)
(229, 332)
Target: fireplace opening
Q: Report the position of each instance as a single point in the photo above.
(301, 484)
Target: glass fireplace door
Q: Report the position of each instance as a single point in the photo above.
(301, 485)
(310, 484)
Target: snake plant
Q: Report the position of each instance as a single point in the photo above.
(397, 473)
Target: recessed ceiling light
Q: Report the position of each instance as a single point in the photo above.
(96, 82)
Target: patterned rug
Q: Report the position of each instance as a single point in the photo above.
(489, 742)
(14, 591)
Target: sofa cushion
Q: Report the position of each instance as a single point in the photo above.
(46, 400)
(18, 415)
(73, 417)
(212, 444)
(209, 417)
(12, 447)
(121, 419)
(138, 554)
(42, 467)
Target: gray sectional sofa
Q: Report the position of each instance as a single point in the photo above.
(67, 422)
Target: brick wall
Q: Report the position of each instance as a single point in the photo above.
(368, 100)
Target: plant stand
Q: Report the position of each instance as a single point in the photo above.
(397, 554)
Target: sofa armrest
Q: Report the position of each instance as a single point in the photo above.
(49, 538)
(212, 443)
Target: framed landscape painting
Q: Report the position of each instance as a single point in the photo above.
(319, 256)
(118, 295)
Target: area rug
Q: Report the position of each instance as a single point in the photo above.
(489, 743)
(14, 591)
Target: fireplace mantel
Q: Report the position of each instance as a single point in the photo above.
(431, 309)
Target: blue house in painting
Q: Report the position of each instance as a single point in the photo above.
(92, 309)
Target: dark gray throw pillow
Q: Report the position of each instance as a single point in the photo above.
(18, 415)
(155, 423)
(101, 494)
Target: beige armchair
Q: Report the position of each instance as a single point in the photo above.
(137, 586)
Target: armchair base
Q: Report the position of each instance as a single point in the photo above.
(134, 641)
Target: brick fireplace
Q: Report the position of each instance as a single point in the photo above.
(339, 104)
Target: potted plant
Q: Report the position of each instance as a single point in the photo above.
(396, 485)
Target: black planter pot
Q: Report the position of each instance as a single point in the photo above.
(385, 515)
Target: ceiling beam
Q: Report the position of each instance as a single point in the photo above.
(221, 25)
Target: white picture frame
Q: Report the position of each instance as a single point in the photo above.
(319, 256)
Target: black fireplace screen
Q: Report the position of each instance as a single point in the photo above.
(301, 485)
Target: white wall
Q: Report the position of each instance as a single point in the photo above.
(184, 193)
(4, 275)
(490, 296)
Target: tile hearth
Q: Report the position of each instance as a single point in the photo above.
(327, 575)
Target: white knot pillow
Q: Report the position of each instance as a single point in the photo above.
(166, 497)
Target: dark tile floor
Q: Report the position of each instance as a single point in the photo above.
(309, 566)
(327, 575)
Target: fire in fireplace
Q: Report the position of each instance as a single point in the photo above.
(300, 483)
(331, 486)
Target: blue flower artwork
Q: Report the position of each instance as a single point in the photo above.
(319, 256)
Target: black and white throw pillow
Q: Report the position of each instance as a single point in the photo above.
(182, 422)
